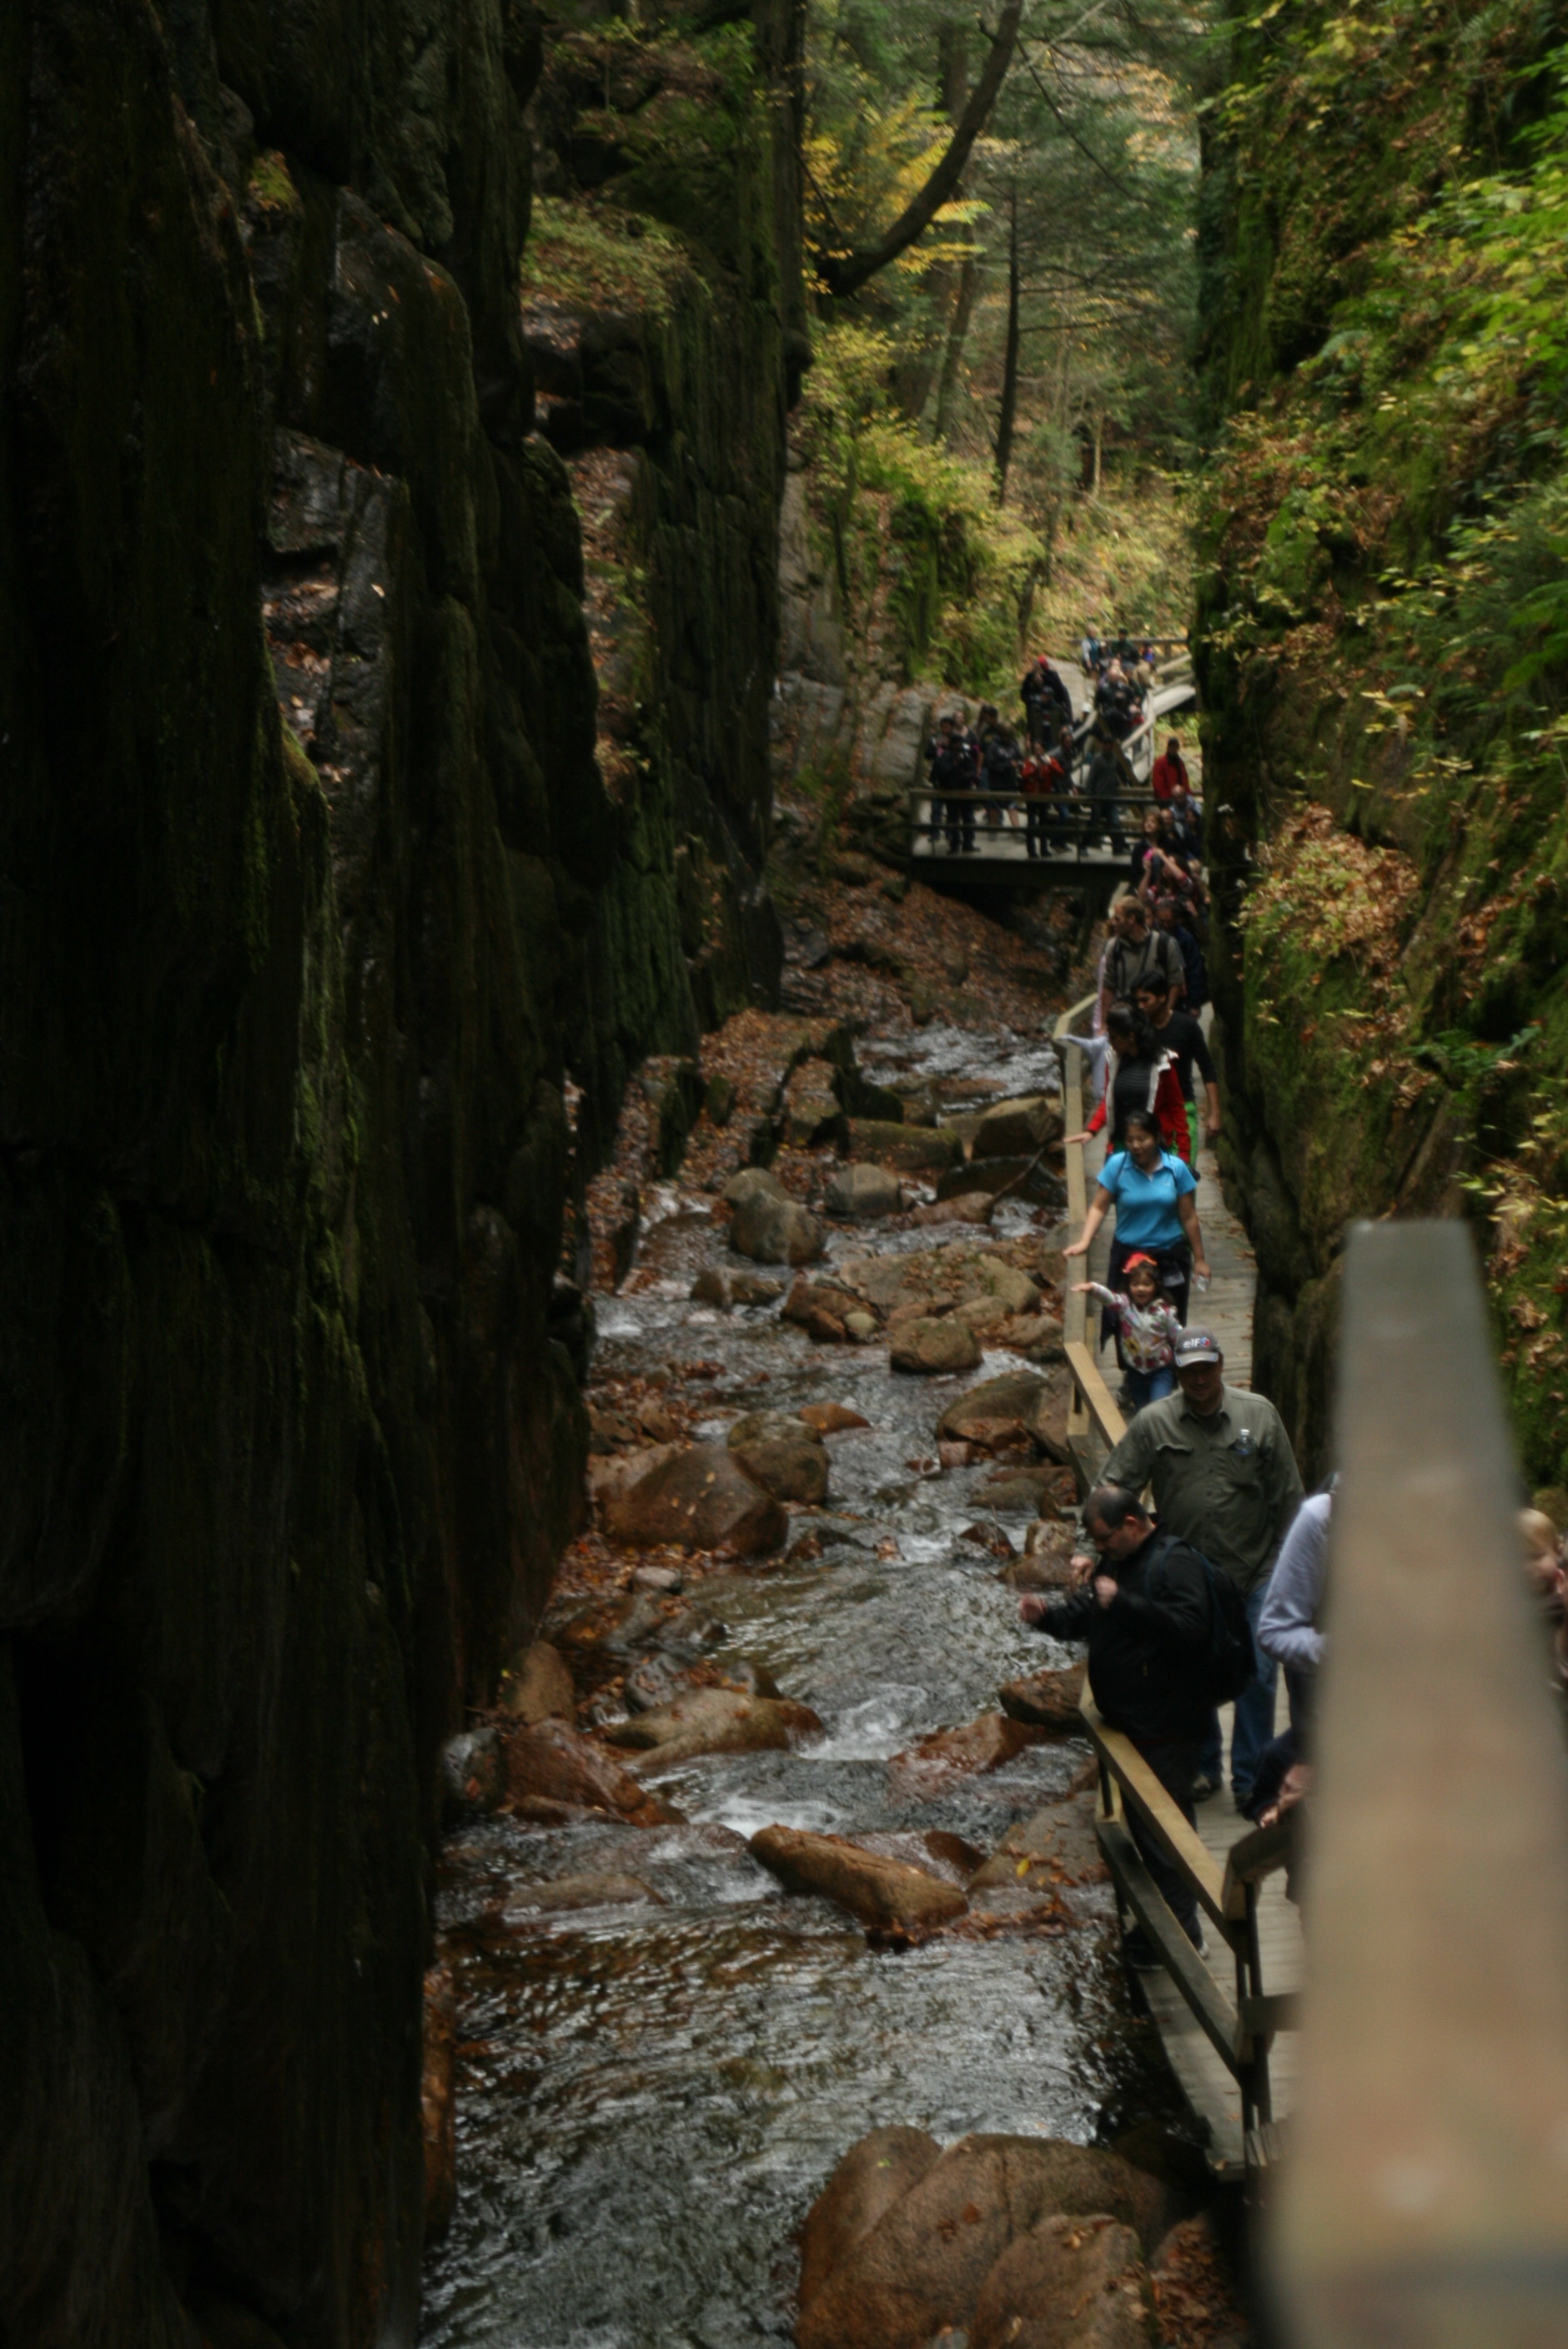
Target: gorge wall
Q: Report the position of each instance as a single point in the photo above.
(1382, 660)
(324, 923)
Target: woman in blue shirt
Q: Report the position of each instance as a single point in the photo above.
(1151, 1190)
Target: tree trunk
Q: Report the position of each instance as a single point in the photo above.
(844, 273)
(957, 333)
(1098, 450)
(913, 381)
(1007, 415)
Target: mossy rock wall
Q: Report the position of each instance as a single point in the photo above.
(1381, 685)
(309, 869)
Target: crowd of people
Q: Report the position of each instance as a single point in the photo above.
(1203, 1591)
(1066, 785)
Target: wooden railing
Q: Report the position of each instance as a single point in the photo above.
(1241, 2031)
(1072, 821)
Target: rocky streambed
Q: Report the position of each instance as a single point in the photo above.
(781, 1836)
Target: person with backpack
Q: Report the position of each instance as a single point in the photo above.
(1225, 1481)
(1144, 1606)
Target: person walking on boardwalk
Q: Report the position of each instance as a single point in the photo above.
(1135, 952)
(1289, 1621)
(1225, 1481)
(1156, 1214)
(1169, 770)
(1143, 1608)
(1146, 1329)
(1182, 1037)
(1139, 1074)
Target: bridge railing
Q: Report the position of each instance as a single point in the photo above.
(1424, 2196)
(1069, 823)
(1240, 2029)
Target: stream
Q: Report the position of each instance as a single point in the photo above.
(649, 2097)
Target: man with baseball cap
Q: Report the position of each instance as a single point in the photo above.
(1226, 1482)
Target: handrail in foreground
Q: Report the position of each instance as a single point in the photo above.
(1242, 2032)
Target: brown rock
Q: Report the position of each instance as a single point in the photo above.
(699, 1495)
(1068, 2283)
(555, 1762)
(924, 2263)
(938, 1763)
(1016, 1490)
(808, 1298)
(569, 1892)
(713, 1720)
(868, 2181)
(1027, 1396)
(438, 2109)
(830, 1418)
(770, 1427)
(1054, 1846)
(537, 1685)
(790, 1471)
(1046, 1562)
(1046, 1699)
(913, 1150)
(968, 1207)
(717, 1285)
(953, 1455)
(880, 1891)
(772, 1230)
(929, 1347)
(1017, 1129)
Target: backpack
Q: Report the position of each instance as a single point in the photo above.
(1232, 1661)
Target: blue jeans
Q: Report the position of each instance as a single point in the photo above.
(1254, 1724)
(1147, 1386)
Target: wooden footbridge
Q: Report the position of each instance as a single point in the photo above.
(984, 838)
(1398, 2078)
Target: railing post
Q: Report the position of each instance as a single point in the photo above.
(1425, 2196)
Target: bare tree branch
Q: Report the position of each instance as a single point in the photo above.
(844, 273)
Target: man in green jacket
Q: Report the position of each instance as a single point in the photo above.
(1226, 1483)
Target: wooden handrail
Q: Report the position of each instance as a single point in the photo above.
(1180, 1842)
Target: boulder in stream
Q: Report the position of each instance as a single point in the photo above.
(913, 1150)
(925, 2262)
(1017, 1129)
(933, 1348)
(473, 1774)
(1068, 2283)
(938, 1763)
(880, 1891)
(792, 1469)
(537, 1685)
(713, 1720)
(862, 1191)
(1055, 1846)
(1048, 1699)
(832, 1418)
(552, 1762)
(699, 1495)
(775, 1230)
(969, 1206)
(1025, 1398)
(1046, 1562)
(872, 2176)
(724, 1286)
(529, 1901)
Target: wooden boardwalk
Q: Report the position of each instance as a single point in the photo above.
(1207, 2084)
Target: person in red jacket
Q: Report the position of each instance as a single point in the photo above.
(1168, 771)
(1140, 1074)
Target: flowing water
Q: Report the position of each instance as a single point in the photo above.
(650, 2096)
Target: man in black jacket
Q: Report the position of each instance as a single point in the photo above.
(1143, 1607)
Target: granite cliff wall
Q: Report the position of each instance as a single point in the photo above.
(309, 869)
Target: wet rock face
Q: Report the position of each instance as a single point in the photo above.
(287, 1017)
